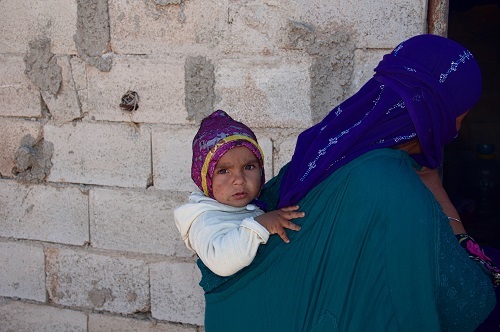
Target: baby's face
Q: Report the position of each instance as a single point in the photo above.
(237, 177)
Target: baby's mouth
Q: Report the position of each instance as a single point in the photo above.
(240, 195)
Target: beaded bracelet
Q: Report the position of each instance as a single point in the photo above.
(456, 219)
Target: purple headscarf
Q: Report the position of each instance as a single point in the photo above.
(418, 90)
(218, 134)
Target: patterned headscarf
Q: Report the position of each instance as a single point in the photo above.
(218, 134)
(418, 91)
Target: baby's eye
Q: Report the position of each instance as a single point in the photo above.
(249, 167)
(222, 171)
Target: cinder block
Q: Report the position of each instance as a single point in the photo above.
(19, 96)
(175, 293)
(23, 21)
(158, 82)
(100, 153)
(12, 131)
(27, 317)
(43, 212)
(137, 221)
(265, 92)
(377, 24)
(266, 144)
(364, 63)
(79, 74)
(64, 106)
(105, 283)
(106, 323)
(23, 271)
(148, 27)
(286, 149)
(172, 153)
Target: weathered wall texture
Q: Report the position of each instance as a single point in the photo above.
(87, 188)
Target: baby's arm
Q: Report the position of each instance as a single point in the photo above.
(226, 247)
(276, 221)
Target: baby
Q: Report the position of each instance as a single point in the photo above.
(223, 223)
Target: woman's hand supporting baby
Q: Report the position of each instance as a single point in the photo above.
(276, 221)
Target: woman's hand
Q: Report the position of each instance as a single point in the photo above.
(276, 221)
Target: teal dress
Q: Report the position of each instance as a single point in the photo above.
(375, 253)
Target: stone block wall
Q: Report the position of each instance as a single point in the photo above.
(87, 187)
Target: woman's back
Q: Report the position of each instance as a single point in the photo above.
(372, 254)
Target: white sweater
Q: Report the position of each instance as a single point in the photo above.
(225, 238)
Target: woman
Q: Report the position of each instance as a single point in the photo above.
(376, 251)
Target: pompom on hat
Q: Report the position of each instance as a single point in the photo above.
(218, 134)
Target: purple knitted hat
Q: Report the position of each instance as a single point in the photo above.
(218, 134)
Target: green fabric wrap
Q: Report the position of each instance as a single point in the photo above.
(372, 255)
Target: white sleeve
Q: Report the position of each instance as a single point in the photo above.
(226, 247)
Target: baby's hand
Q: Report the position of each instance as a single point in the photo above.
(276, 221)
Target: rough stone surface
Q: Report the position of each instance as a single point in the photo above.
(285, 152)
(12, 132)
(22, 274)
(122, 219)
(92, 33)
(23, 21)
(27, 317)
(158, 82)
(64, 106)
(19, 96)
(172, 155)
(101, 323)
(200, 80)
(103, 283)
(44, 213)
(42, 67)
(331, 50)
(260, 22)
(331, 72)
(79, 75)
(364, 62)
(265, 92)
(147, 27)
(375, 24)
(33, 159)
(168, 2)
(104, 154)
(267, 146)
(175, 293)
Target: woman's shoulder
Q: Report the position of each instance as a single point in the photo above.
(386, 174)
(382, 165)
(385, 155)
(383, 162)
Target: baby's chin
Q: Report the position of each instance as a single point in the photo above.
(240, 202)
